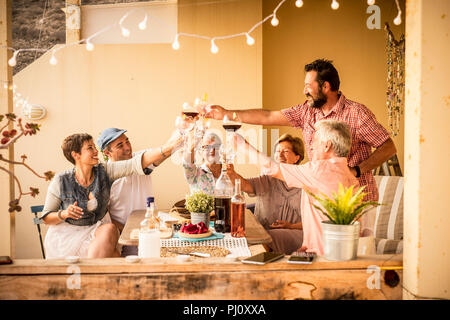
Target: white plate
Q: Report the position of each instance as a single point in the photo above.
(72, 259)
(132, 259)
(183, 258)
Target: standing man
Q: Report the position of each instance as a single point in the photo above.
(325, 101)
(130, 193)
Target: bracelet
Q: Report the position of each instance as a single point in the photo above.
(59, 215)
(162, 153)
(358, 171)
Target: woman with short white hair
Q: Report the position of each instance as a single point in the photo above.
(203, 177)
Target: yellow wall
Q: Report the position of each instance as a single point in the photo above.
(316, 31)
(141, 88)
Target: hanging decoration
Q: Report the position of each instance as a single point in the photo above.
(395, 93)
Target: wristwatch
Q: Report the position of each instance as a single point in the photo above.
(358, 171)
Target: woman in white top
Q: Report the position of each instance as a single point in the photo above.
(77, 200)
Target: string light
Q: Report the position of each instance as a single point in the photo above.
(12, 62)
(250, 40)
(214, 48)
(299, 3)
(125, 31)
(334, 5)
(398, 19)
(275, 20)
(143, 23)
(53, 60)
(89, 46)
(176, 44)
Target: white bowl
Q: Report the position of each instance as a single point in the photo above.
(132, 259)
(183, 258)
(231, 257)
(72, 259)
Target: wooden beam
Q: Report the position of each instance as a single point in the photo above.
(204, 279)
(7, 220)
(73, 20)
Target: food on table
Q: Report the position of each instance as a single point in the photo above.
(198, 228)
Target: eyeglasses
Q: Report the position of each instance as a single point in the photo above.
(211, 146)
(285, 151)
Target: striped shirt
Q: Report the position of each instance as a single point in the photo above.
(366, 131)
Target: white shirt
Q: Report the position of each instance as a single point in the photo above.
(129, 194)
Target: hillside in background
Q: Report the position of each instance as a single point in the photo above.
(41, 24)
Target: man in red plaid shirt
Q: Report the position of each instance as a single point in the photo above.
(325, 101)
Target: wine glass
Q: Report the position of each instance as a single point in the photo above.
(230, 127)
(184, 125)
(189, 111)
(233, 124)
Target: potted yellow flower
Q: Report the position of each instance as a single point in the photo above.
(340, 233)
(200, 205)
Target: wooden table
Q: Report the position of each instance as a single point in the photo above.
(212, 278)
(255, 233)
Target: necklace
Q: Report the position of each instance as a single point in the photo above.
(84, 183)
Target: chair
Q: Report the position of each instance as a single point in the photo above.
(251, 207)
(388, 224)
(385, 168)
(38, 221)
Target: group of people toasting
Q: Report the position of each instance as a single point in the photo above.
(87, 206)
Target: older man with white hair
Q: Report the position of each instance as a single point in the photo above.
(327, 169)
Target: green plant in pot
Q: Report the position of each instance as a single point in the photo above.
(340, 233)
(200, 205)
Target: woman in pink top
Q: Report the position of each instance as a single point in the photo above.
(322, 174)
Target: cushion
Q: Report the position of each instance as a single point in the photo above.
(388, 246)
(389, 216)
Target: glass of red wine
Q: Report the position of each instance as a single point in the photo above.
(230, 126)
(186, 121)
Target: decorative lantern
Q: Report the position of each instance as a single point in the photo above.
(34, 111)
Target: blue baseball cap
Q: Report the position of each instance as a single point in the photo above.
(107, 136)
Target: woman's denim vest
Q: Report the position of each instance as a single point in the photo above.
(71, 191)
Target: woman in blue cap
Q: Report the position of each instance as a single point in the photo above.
(77, 199)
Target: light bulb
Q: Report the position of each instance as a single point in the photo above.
(214, 48)
(89, 46)
(335, 5)
(299, 3)
(143, 23)
(5, 86)
(250, 40)
(125, 32)
(370, 2)
(176, 44)
(398, 19)
(53, 60)
(12, 62)
(274, 21)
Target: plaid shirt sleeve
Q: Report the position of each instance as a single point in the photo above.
(370, 130)
(295, 115)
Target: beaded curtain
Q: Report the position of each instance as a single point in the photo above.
(395, 79)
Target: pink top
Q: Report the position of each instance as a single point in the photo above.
(317, 176)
